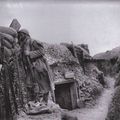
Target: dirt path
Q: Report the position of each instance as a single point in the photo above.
(98, 112)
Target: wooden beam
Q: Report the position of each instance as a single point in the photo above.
(15, 25)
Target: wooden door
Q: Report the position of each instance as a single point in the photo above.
(63, 96)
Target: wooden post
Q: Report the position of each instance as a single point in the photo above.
(51, 79)
(15, 25)
(82, 59)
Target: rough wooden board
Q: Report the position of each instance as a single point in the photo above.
(64, 81)
(74, 95)
(15, 24)
(69, 75)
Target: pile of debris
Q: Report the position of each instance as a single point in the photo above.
(65, 66)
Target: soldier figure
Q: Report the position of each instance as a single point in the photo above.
(37, 79)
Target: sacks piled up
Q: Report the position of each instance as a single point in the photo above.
(7, 38)
(7, 34)
(8, 30)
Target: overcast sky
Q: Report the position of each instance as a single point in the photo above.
(94, 23)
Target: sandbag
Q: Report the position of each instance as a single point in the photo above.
(6, 44)
(8, 30)
(7, 52)
(8, 37)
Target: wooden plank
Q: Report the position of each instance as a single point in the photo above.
(73, 92)
(64, 81)
(15, 25)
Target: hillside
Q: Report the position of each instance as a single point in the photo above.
(115, 52)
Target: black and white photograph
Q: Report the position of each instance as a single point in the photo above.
(59, 60)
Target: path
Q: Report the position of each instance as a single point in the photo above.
(99, 112)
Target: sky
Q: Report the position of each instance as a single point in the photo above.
(94, 23)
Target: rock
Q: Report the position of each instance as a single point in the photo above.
(114, 108)
(34, 108)
(80, 104)
(69, 75)
(53, 106)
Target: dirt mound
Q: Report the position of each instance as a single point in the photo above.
(58, 53)
(63, 62)
(108, 54)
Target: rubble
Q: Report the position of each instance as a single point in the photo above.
(108, 54)
(65, 65)
(34, 108)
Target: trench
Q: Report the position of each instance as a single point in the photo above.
(100, 110)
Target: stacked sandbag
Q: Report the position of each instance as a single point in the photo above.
(7, 44)
(8, 30)
(7, 36)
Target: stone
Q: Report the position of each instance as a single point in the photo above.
(80, 104)
(69, 75)
(34, 108)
